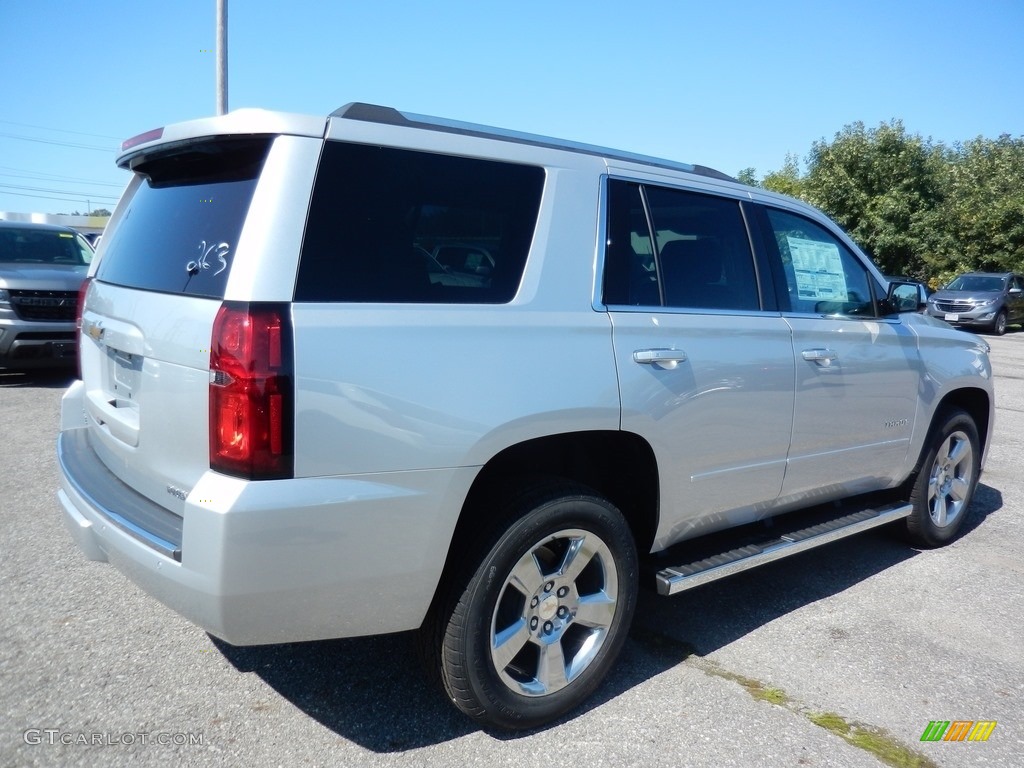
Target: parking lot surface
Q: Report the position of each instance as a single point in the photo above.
(841, 656)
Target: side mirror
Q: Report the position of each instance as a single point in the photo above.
(903, 297)
(1015, 291)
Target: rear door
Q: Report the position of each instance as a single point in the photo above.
(705, 371)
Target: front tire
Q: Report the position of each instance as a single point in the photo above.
(945, 481)
(532, 625)
(999, 324)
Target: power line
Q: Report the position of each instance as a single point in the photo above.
(83, 198)
(41, 176)
(58, 143)
(61, 130)
(58, 191)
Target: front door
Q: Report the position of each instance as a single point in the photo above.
(857, 374)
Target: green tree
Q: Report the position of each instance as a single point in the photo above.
(983, 210)
(787, 181)
(920, 208)
(748, 176)
(884, 186)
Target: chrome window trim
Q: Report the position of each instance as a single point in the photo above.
(891, 319)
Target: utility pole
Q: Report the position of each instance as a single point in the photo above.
(222, 56)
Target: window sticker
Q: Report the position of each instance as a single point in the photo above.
(819, 270)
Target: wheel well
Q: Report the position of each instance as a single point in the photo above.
(618, 465)
(976, 403)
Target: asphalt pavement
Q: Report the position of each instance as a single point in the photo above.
(841, 656)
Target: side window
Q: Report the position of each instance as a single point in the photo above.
(704, 257)
(819, 275)
(697, 256)
(630, 275)
(392, 225)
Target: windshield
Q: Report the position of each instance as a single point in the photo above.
(43, 246)
(976, 283)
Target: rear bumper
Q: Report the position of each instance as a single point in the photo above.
(275, 561)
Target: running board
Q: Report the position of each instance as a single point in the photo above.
(672, 581)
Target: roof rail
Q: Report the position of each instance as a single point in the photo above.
(373, 113)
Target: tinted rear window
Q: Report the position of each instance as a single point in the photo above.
(390, 225)
(180, 229)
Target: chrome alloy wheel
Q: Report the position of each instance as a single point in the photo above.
(553, 612)
(949, 483)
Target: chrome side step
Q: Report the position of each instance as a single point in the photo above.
(676, 579)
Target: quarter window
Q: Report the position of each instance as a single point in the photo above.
(390, 225)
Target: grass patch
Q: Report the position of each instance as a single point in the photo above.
(757, 690)
(870, 739)
(830, 721)
(771, 695)
(873, 740)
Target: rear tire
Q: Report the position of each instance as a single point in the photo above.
(537, 616)
(945, 480)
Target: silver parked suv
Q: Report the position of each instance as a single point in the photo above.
(981, 300)
(378, 372)
(42, 269)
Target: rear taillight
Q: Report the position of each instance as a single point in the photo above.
(251, 391)
(79, 309)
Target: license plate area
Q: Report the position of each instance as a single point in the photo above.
(952, 317)
(125, 371)
(62, 349)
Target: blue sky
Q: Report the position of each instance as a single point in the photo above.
(726, 84)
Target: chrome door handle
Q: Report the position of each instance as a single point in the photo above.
(666, 359)
(823, 357)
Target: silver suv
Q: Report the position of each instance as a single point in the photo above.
(293, 426)
(42, 269)
(981, 300)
